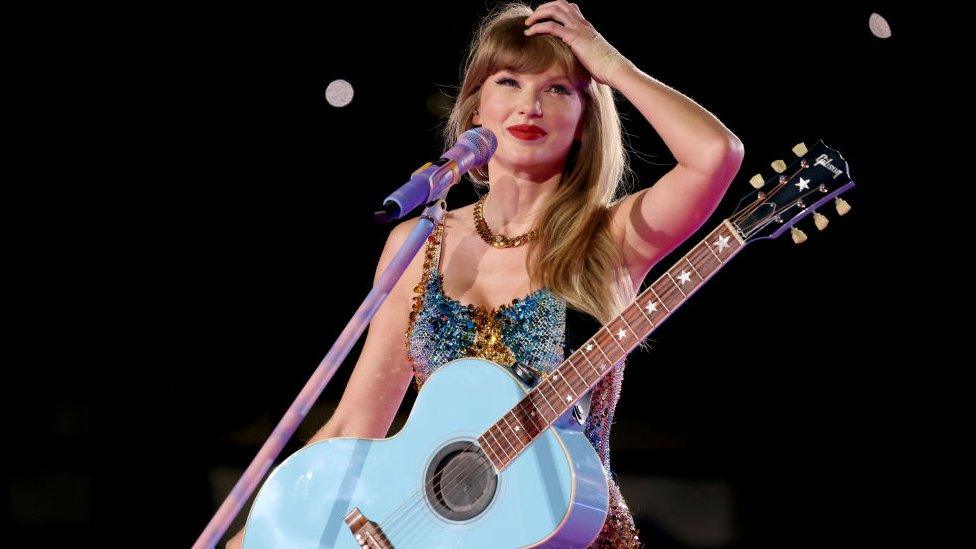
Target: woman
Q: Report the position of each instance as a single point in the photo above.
(549, 232)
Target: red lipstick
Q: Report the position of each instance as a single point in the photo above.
(526, 132)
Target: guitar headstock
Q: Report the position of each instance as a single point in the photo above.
(817, 176)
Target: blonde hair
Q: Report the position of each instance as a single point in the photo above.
(575, 255)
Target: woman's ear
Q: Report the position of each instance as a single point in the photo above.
(476, 118)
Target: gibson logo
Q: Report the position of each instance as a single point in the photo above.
(825, 161)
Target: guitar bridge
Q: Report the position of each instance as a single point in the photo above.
(368, 533)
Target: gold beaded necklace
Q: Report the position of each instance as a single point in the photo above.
(497, 240)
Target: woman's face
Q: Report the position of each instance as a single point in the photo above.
(546, 101)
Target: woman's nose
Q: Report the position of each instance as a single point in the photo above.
(531, 105)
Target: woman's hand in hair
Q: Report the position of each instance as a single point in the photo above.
(565, 21)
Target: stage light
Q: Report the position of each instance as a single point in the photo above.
(879, 26)
(339, 93)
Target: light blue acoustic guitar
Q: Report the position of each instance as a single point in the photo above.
(486, 461)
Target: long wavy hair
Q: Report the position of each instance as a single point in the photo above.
(574, 255)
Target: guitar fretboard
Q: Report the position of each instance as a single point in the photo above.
(558, 391)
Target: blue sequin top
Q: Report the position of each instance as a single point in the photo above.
(532, 331)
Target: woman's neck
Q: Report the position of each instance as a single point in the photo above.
(514, 203)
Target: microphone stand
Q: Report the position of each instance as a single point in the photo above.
(432, 215)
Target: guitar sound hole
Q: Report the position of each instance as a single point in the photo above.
(460, 481)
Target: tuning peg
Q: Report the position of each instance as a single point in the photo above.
(799, 236)
(800, 149)
(779, 166)
(820, 221)
(842, 206)
(757, 181)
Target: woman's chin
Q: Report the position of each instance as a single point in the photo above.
(529, 168)
(523, 158)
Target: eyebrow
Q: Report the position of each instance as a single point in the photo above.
(550, 79)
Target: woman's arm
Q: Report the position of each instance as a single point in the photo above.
(650, 223)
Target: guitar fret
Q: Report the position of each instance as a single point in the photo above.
(516, 431)
(586, 383)
(487, 446)
(515, 451)
(637, 322)
(499, 446)
(543, 393)
(531, 415)
(495, 446)
(530, 427)
(500, 457)
(555, 375)
(598, 348)
(536, 395)
(621, 317)
(483, 442)
(699, 255)
(670, 291)
(587, 359)
(676, 285)
(531, 430)
(614, 340)
(708, 264)
(641, 309)
(709, 246)
(700, 277)
(663, 304)
(629, 334)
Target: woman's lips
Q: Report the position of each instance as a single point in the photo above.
(524, 135)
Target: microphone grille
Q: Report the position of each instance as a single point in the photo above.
(481, 140)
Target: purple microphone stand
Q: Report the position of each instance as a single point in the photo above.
(432, 215)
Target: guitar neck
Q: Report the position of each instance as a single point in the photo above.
(558, 392)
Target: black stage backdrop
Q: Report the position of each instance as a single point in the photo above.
(203, 232)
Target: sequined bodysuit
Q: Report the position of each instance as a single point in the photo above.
(532, 331)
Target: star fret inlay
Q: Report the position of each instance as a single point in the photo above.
(721, 243)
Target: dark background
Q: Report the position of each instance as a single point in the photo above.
(203, 233)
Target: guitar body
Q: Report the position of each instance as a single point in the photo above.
(554, 494)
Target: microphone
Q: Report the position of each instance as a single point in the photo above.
(473, 149)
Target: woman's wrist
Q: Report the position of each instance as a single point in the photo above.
(621, 68)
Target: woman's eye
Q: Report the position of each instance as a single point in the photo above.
(558, 87)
